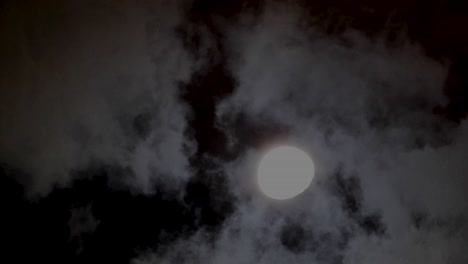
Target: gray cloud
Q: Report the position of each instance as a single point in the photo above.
(359, 104)
(81, 223)
(86, 82)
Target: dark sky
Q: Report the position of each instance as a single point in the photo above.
(130, 131)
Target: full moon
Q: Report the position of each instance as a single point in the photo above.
(285, 172)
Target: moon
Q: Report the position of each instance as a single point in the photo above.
(285, 172)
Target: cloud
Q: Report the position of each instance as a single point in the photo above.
(81, 223)
(390, 174)
(87, 83)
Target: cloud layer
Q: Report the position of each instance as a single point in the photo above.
(88, 84)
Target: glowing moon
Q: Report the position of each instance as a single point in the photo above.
(285, 172)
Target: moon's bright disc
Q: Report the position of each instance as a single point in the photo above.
(285, 172)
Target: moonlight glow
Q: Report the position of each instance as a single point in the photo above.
(285, 172)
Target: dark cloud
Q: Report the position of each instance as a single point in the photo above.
(82, 223)
(86, 83)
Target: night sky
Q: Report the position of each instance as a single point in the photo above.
(131, 131)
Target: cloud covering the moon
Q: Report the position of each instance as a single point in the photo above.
(363, 108)
(93, 84)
